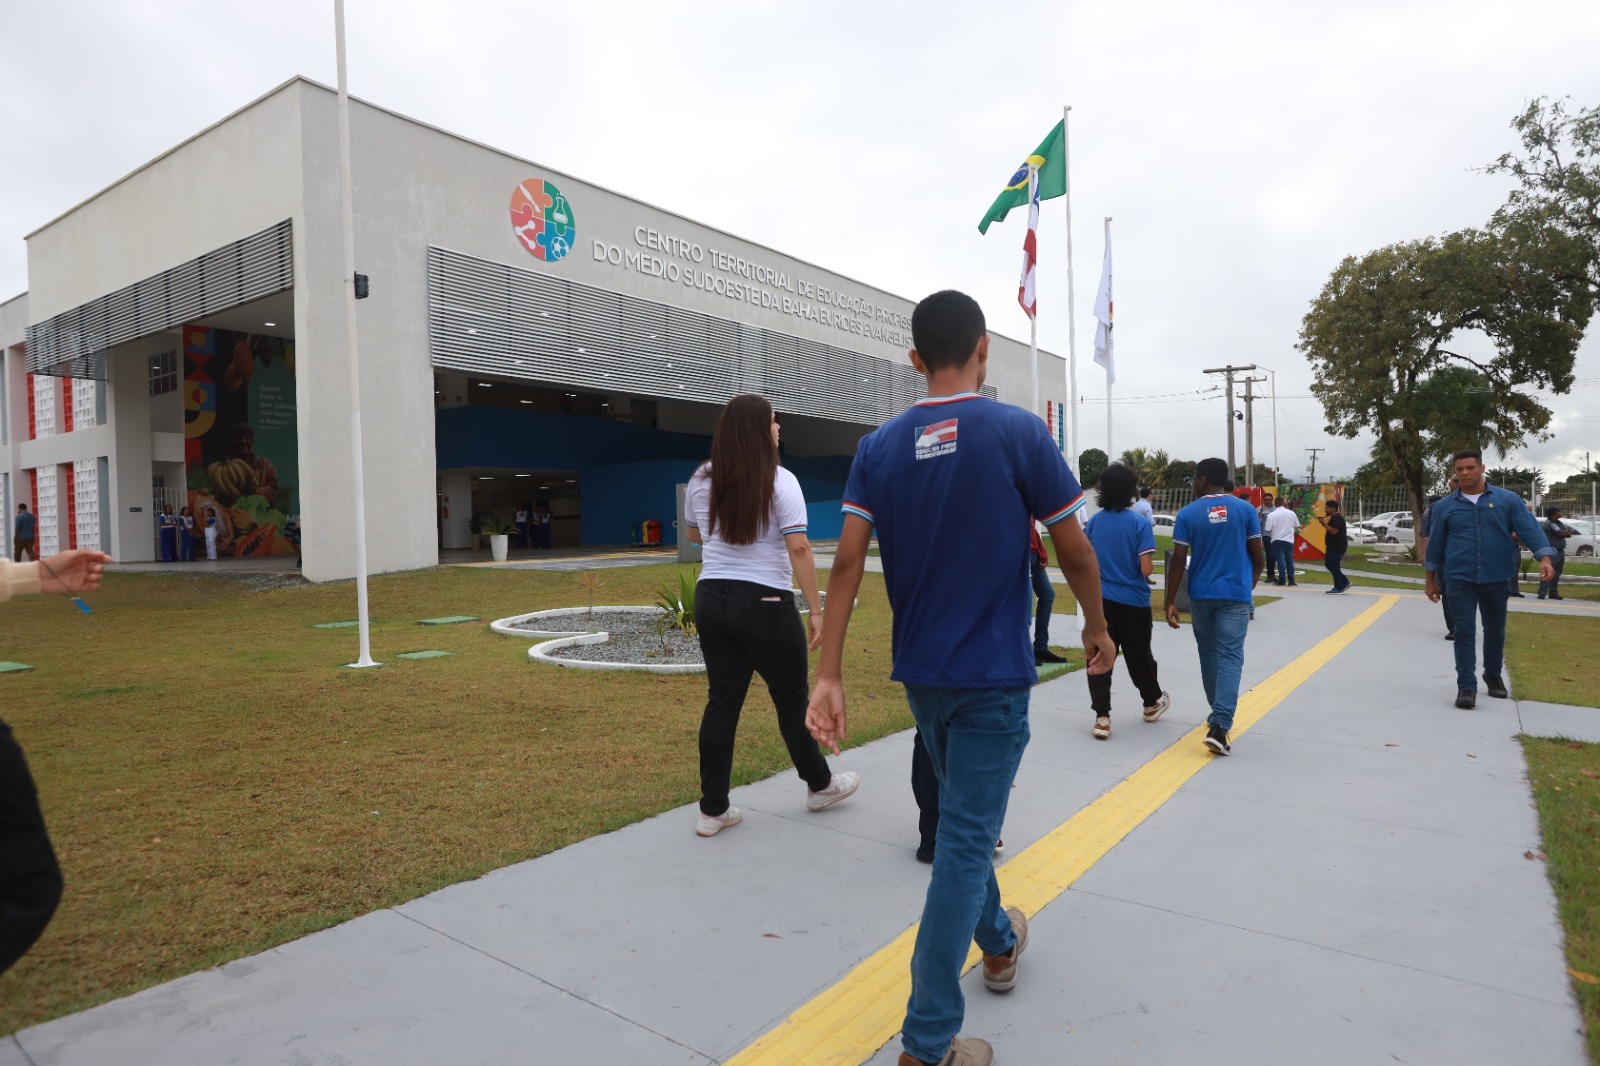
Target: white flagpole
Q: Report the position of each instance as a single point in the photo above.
(358, 485)
(1072, 311)
(1111, 452)
(1033, 319)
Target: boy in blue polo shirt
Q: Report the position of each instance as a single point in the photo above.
(951, 486)
(1224, 534)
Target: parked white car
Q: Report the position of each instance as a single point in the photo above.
(1360, 534)
(1399, 531)
(1380, 524)
(1163, 524)
(1587, 540)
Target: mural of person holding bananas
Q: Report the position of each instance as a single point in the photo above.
(262, 478)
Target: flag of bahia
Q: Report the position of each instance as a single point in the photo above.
(937, 439)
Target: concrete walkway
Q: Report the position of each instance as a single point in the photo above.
(1351, 886)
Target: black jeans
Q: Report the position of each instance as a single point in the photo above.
(1335, 556)
(1130, 628)
(748, 629)
(30, 878)
(925, 790)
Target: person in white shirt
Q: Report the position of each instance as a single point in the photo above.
(1144, 508)
(1282, 525)
(750, 515)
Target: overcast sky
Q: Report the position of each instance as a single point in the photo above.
(1242, 148)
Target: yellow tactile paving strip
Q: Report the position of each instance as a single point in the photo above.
(848, 1022)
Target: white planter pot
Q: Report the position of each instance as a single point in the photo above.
(499, 544)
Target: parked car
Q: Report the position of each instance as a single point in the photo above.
(1380, 524)
(1163, 524)
(1587, 539)
(1360, 534)
(1399, 531)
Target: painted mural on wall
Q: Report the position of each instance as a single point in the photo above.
(1306, 502)
(241, 446)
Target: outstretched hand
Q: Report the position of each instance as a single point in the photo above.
(72, 573)
(825, 714)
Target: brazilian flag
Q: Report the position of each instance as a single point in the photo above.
(1051, 159)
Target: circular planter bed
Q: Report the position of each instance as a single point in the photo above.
(606, 638)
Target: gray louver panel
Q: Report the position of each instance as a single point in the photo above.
(490, 318)
(74, 343)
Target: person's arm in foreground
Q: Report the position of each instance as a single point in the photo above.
(1180, 560)
(805, 572)
(1075, 556)
(825, 716)
(69, 573)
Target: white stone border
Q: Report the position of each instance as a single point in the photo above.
(507, 626)
(540, 653)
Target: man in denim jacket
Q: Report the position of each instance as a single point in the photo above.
(1470, 560)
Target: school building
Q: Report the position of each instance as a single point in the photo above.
(529, 337)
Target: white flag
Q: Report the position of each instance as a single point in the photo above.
(1104, 351)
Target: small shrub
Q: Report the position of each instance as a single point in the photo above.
(677, 603)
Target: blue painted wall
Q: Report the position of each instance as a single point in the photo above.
(627, 473)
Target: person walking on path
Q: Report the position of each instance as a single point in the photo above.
(949, 486)
(1224, 535)
(30, 875)
(1335, 544)
(1125, 546)
(25, 535)
(1281, 527)
(750, 515)
(1262, 514)
(1469, 558)
(1044, 599)
(1556, 532)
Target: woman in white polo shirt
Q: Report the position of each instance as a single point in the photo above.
(750, 515)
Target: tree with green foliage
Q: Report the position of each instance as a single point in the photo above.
(1179, 472)
(1091, 464)
(1558, 175)
(1388, 322)
(1518, 478)
(1147, 464)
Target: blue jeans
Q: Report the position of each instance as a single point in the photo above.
(1044, 595)
(1490, 601)
(1283, 554)
(1219, 629)
(975, 738)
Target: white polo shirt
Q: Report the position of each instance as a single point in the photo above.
(764, 562)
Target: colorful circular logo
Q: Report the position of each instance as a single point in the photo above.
(542, 219)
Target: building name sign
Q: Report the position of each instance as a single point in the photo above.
(698, 266)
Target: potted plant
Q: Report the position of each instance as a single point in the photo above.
(499, 533)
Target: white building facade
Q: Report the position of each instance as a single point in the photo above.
(529, 338)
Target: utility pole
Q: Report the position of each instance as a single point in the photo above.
(1230, 371)
(1314, 452)
(1250, 432)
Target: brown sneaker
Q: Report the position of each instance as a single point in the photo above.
(1102, 727)
(1000, 971)
(968, 1051)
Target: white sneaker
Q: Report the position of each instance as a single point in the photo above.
(1157, 709)
(842, 787)
(710, 825)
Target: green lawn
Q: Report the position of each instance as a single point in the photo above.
(1552, 658)
(217, 784)
(1566, 786)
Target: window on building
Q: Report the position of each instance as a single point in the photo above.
(163, 373)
